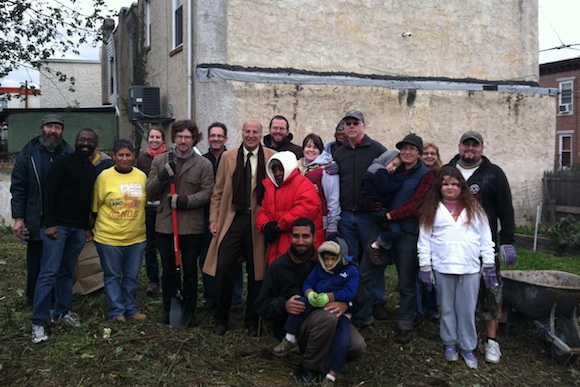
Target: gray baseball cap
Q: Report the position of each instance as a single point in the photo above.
(52, 119)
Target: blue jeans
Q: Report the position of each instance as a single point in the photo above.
(120, 270)
(404, 254)
(427, 302)
(356, 227)
(59, 258)
(151, 262)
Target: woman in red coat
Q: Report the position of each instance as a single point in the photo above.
(287, 197)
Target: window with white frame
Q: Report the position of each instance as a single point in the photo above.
(565, 150)
(147, 23)
(177, 22)
(565, 98)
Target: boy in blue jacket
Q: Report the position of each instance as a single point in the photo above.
(335, 278)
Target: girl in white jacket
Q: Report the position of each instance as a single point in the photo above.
(454, 242)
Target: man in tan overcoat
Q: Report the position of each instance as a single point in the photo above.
(235, 201)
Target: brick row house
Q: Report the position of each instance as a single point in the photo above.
(564, 75)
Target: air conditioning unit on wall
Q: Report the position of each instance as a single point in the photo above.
(144, 103)
(565, 108)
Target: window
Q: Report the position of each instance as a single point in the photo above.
(111, 76)
(177, 22)
(148, 23)
(565, 99)
(565, 150)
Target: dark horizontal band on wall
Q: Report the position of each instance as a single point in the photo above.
(211, 72)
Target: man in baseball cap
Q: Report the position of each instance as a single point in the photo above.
(34, 160)
(489, 184)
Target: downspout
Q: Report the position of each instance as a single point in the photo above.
(190, 66)
(189, 58)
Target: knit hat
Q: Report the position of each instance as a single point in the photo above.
(412, 139)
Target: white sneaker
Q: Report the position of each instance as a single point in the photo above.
(38, 334)
(492, 352)
(71, 319)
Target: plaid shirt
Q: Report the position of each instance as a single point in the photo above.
(409, 208)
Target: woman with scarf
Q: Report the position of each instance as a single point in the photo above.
(314, 166)
(156, 142)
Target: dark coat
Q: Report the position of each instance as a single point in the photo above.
(27, 184)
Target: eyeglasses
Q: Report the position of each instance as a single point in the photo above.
(409, 148)
(85, 139)
(216, 136)
(352, 123)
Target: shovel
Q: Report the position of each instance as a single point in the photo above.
(180, 310)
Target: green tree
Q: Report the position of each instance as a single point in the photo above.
(34, 30)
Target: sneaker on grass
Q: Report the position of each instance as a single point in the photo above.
(71, 319)
(469, 359)
(451, 353)
(38, 334)
(284, 348)
(492, 352)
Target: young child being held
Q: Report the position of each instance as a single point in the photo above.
(333, 279)
(454, 233)
(379, 184)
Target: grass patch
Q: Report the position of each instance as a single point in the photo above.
(150, 354)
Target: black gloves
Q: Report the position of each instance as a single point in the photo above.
(169, 169)
(270, 231)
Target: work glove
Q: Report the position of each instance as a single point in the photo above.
(507, 253)
(490, 277)
(332, 169)
(270, 231)
(321, 300)
(177, 202)
(426, 277)
(167, 172)
(23, 235)
(380, 218)
(312, 298)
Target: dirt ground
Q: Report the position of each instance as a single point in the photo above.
(150, 354)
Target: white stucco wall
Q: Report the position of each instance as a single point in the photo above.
(87, 87)
(494, 40)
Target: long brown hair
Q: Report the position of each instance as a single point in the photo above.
(428, 206)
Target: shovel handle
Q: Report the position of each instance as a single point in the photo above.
(175, 230)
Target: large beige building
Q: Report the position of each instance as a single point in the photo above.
(83, 92)
(433, 67)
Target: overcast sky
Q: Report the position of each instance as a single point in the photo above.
(557, 22)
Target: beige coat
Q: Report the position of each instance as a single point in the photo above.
(195, 179)
(223, 212)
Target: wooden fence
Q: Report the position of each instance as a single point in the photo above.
(561, 194)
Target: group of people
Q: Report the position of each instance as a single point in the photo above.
(315, 225)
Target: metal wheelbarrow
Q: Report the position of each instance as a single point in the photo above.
(548, 300)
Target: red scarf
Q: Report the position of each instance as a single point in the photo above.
(154, 153)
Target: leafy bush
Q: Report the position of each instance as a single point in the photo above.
(564, 233)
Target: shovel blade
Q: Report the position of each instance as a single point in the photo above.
(180, 313)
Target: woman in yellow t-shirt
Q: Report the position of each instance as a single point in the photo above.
(119, 232)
